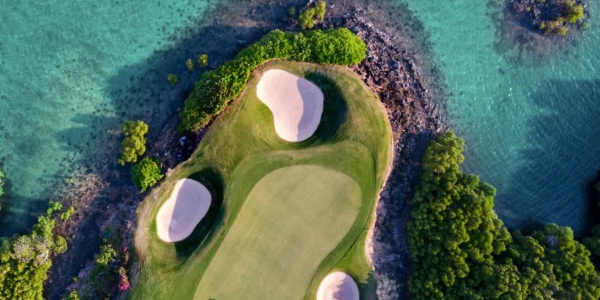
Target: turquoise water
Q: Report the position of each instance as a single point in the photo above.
(65, 67)
(531, 130)
(72, 71)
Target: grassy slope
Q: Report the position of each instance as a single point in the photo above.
(246, 129)
(289, 222)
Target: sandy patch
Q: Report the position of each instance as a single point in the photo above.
(338, 286)
(179, 215)
(296, 104)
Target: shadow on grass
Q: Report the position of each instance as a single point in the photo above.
(335, 108)
(202, 234)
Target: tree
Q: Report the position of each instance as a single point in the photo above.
(134, 144)
(461, 250)
(320, 10)
(203, 60)
(172, 79)
(306, 19)
(146, 173)
(189, 65)
(106, 255)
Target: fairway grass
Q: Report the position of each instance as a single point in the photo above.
(294, 214)
(240, 149)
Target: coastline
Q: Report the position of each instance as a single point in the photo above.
(413, 110)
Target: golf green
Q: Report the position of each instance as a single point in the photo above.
(290, 221)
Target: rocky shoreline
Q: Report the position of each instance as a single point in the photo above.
(415, 117)
(394, 70)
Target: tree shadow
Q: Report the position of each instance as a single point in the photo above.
(553, 183)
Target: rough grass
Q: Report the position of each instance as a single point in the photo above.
(241, 147)
(290, 221)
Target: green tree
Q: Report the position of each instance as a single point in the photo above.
(461, 250)
(26, 259)
(172, 79)
(146, 173)
(575, 14)
(106, 255)
(203, 60)
(189, 64)
(72, 296)
(67, 214)
(320, 10)
(306, 19)
(134, 144)
(292, 12)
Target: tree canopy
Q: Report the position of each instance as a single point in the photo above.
(146, 173)
(25, 260)
(461, 249)
(134, 144)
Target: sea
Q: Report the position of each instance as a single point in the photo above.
(72, 70)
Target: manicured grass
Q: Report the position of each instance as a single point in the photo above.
(290, 221)
(241, 148)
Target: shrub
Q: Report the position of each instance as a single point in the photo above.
(306, 19)
(72, 296)
(146, 173)
(172, 79)
(106, 255)
(67, 214)
(216, 88)
(461, 250)
(320, 10)
(575, 14)
(292, 12)
(189, 65)
(203, 60)
(134, 144)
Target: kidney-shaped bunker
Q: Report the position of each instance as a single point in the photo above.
(296, 104)
(179, 215)
(338, 286)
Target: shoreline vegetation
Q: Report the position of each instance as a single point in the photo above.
(461, 249)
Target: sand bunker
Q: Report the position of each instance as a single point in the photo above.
(338, 286)
(296, 104)
(180, 214)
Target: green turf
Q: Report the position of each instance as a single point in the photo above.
(241, 148)
(294, 214)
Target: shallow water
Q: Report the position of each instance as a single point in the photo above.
(531, 130)
(72, 71)
(65, 67)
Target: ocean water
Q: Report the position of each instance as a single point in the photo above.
(66, 72)
(532, 126)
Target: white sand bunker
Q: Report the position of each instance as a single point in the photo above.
(296, 104)
(338, 286)
(180, 214)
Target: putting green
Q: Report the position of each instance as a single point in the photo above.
(290, 221)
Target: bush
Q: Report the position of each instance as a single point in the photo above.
(134, 144)
(575, 14)
(215, 89)
(189, 64)
(307, 19)
(461, 250)
(292, 12)
(106, 255)
(67, 214)
(146, 173)
(26, 259)
(320, 10)
(172, 79)
(203, 60)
